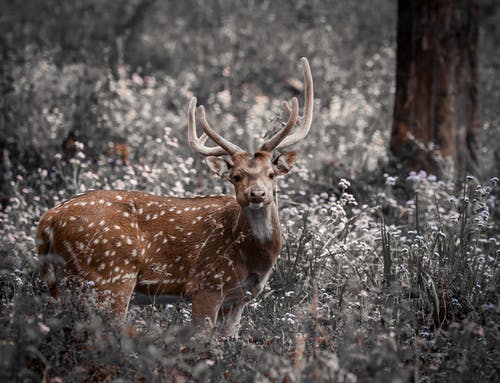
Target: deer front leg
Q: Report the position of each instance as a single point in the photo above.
(229, 317)
(206, 306)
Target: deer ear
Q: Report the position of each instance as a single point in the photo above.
(285, 162)
(219, 166)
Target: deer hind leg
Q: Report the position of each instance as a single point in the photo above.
(229, 318)
(48, 261)
(116, 297)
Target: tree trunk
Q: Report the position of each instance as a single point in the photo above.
(436, 95)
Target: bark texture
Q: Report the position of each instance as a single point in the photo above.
(436, 91)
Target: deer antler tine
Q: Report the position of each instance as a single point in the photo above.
(308, 110)
(198, 143)
(203, 138)
(229, 147)
(273, 142)
(287, 107)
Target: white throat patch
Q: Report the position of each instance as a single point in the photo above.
(260, 222)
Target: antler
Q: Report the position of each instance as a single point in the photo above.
(198, 143)
(274, 141)
(282, 139)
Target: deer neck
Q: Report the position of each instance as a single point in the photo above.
(261, 226)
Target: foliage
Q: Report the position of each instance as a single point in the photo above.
(381, 278)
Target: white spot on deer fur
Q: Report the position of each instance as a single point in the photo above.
(80, 229)
(187, 208)
(133, 253)
(157, 250)
(108, 203)
(101, 222)
(63, 224)
(129, 276)
(162, 212)
(118, 244)
(80, 245)
(228, 279)
(101, 201)
(116, 227)
(111, 263)
(104, 241)
(129, 241)
(178, 228)
(95, 241)
(102, 266)
(190, 233)
(143, 251)
(179, 211)
(73, 218)
(126, 214)
(119, 197)
(177, 259)
(171, 219)
(140, 210)
(106, 253)
(155, 216)
(165, 240)
(117, 269)
(126, 261)
(91, 224)
(92, 202)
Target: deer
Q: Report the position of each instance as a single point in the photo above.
(215, 251)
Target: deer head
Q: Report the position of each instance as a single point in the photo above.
(252, 175)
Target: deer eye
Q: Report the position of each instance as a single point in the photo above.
(236, 178)
(272, 175)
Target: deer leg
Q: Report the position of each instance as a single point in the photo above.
(206, 306)
(117, 298)
(229, 317)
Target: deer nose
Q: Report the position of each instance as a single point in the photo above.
(257, 193)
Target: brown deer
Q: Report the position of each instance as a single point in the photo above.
(216, 251)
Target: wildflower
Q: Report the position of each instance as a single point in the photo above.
(390, 181)
(344, 184)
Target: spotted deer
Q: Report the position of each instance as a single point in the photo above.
(216, 251)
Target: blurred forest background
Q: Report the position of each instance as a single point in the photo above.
(386, 275)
